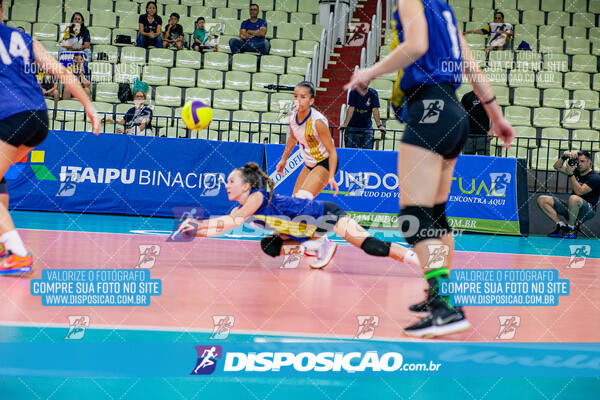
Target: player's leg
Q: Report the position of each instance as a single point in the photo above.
(314, 182)
(300, 180)
(349, 230)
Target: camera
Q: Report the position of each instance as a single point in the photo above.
(573, 162)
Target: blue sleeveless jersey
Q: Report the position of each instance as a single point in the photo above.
(442, 61)
(284, 212)
(19, 88)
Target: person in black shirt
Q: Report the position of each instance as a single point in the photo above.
(582, 202)
(138, 119)
(173, 37)
(150, 28)
(479, 126)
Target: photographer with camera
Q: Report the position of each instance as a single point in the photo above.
(582, 202)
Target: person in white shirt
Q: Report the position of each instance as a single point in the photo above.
(310, 129)
(499, 31)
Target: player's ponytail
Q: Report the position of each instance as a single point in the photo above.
(252, 174)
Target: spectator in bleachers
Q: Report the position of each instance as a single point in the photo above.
(479, 126)
(49, 85)
(82, 73)
(173, 37)
(500, 33)
(138, 119)
(21, 29)
(77, 37)
(252, 35)
(150, 28)
(200, 36)
(358, 126)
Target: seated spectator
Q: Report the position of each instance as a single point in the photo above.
(252, 35)
(173, 37)
(200, 35)
(138, 120)
(49, 85)
(500, 33)
(82, 73)
(150, 28)
(77, 37)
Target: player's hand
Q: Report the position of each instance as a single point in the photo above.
(334, 186)
(188, 228)
(281, 167)
(360, 78)
(504, 130)
(92, 115)
(570, 169)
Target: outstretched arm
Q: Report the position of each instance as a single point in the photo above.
(217, 226)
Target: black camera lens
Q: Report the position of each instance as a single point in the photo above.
(573, 161)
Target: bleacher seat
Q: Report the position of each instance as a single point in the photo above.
(244, 62)
(50, 14)
(530, 61)
(201, 94)
(589, 97)
(526, 96)
(182, 77)
(129, 21)
(216, 60)
(123, 7)
(556, 62)
(518, 115)
(111, 52)
(543, 158)
(575, 32)
(577, 46)
(210, 79)
(577, 80)
(290, 79)
(534, 17)
(168, 96)
(123, 32)
(576, 119)
(282, 47)
(105, 19)
(527, 137)
(555, 98)
(552, 5)
(107, 92)
(546, 31)
(126, 72)
(297, 65)
(45, 31)
(255, 101)
(155, 75)
(261, 79)
(134, 55)
(278, 100)
(586, 20)
(237, 80)
(64, 106)
(555, 138)
(551, 45)
(502, 95)
(188, 59)
(312, 32)
(247, 121)
(100, 71)
(585, 139)
(496, 76)
(549, 79)
(161, 116)
(161, 57)
(546, 117)
(501, 59)
(585, 63)
(226, 99)
(273, 64)
(521, 78)
(286, 5)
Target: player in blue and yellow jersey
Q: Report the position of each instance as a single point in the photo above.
(296, 219)
(24, 122)
(432, 54)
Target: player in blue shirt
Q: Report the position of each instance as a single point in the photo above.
(252, 35)
(24, 121)
(431, 52)
(295, 220)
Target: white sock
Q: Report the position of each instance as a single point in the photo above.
(560, 223)
(571, 227)
(412, 258)
(13, 243)
(304, 194)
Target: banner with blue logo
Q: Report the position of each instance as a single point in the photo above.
(124, 174)
(483, 195)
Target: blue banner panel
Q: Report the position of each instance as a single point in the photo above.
(136, 175)
(483, 195)
(328, 359)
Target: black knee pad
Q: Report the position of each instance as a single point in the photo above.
(271, 245)
(376, 247)
(3, 187)
(439, 219)
(425, 228)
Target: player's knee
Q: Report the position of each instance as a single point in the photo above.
(575, 200)
(304, 194)
(271, 245)
(376, 247)
(440, 220)
(543, 199)
(420, 224)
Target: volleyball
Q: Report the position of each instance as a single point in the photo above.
(196, 115)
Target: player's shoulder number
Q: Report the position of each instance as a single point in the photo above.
(16, 48)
